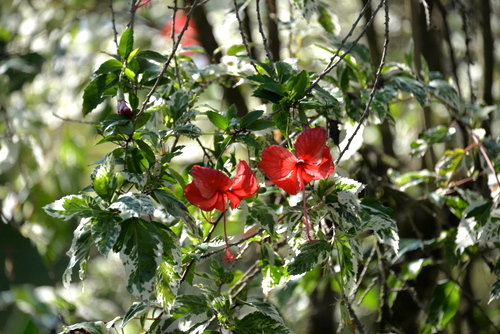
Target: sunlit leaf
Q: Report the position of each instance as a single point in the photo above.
(93, 93)
(311, 254)
(97, 327)
(444, 303)
(133, 205)
(78, 252)
(446, 93)
(133, 311)
(126, 43)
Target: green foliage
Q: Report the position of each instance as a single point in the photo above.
(380, 222)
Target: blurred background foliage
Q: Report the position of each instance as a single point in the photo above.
(48, 50)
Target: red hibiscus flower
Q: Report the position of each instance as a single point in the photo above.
(292, 173)
(211, 189)
(190, 36)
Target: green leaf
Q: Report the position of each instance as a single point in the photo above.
(109, 66)
(261, 214)
(250, 118)
(444, 303)
(93, 93)
(297, 85)
(218, 120)
(188, 309)
(141, 248)
(249, 140)
(378, 218)
(117, 124)
(104, 181)
(410, 179)
(415, 87)
(133, 205)
(307, 7)
(126, 43)
(325, 18)
(447, 165)
(78, 252)
(273, 271)
(152, 55)
(71, 206)
(97, 327)
(480, 212)
(177, 209)
(105, 231)
(284, 71)
(438, 134)
(258, 323)
(260, 124)
(311, 254)
(147, 151)
(446, 93)
(133, 311)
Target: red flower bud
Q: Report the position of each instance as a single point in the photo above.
(124, 110)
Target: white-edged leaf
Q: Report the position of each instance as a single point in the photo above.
(141, 249)
(133, 205)
(133, 311)
(97, 327)
(78, 252)
(69, 207)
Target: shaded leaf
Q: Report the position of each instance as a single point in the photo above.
(78, 252)
(93, 93)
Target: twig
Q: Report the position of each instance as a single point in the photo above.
(236, 243)
(207, 239)
(166, 64)
(243, 37)
(264, 39)
(113, 24)
(74, 120)
(187, 7)
(332, 64)
(377, 78)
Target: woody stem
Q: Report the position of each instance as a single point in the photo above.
(225, 232)
(306, 216)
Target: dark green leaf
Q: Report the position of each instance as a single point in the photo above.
(415, 87)
(250, 118)
(176, 208)
(258, 323)
(147, 151)
(495, 291)
(93, 93)
(297, 85)
(117, 124)
(481, 211)
(152, 55)
(260, 124)
(446, 93)
(126, 43)
(311, 254)
(284, 71)
(249, 140)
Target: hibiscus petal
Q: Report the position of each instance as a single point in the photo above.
(309, 145)
(277, 162)
(318, 171)
(209, 181)
(244, 183)
(194, 196)
(291, 183)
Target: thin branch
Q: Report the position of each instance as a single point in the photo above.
(74, 120)
(174, 7)
(113, 24)
(377, 78)
(264, 39)
(243, 37)
(207, 239)
(166, 64)
(332, 64)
